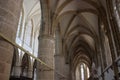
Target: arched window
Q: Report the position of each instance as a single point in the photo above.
(29, 26)
(88, 72)
(35, 43)
(106, 46)
(28, 32)
(25, 66)
(19, 30)
(15, 67)
(107, 51)
(82, 72)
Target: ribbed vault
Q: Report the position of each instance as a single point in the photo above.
(77, 21)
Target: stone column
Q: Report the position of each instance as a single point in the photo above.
(60, 67)
(46, 54)
(9, 18)
(30, 73)
(17, 71)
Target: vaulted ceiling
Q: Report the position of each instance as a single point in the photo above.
(77, 21)
(32, 12)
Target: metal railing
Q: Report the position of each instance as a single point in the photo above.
(109, 67)
(30, 54)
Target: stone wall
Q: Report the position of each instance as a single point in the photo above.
(9, 17)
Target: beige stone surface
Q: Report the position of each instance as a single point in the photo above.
(9, 17)
(4, 76)
(46, 54)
